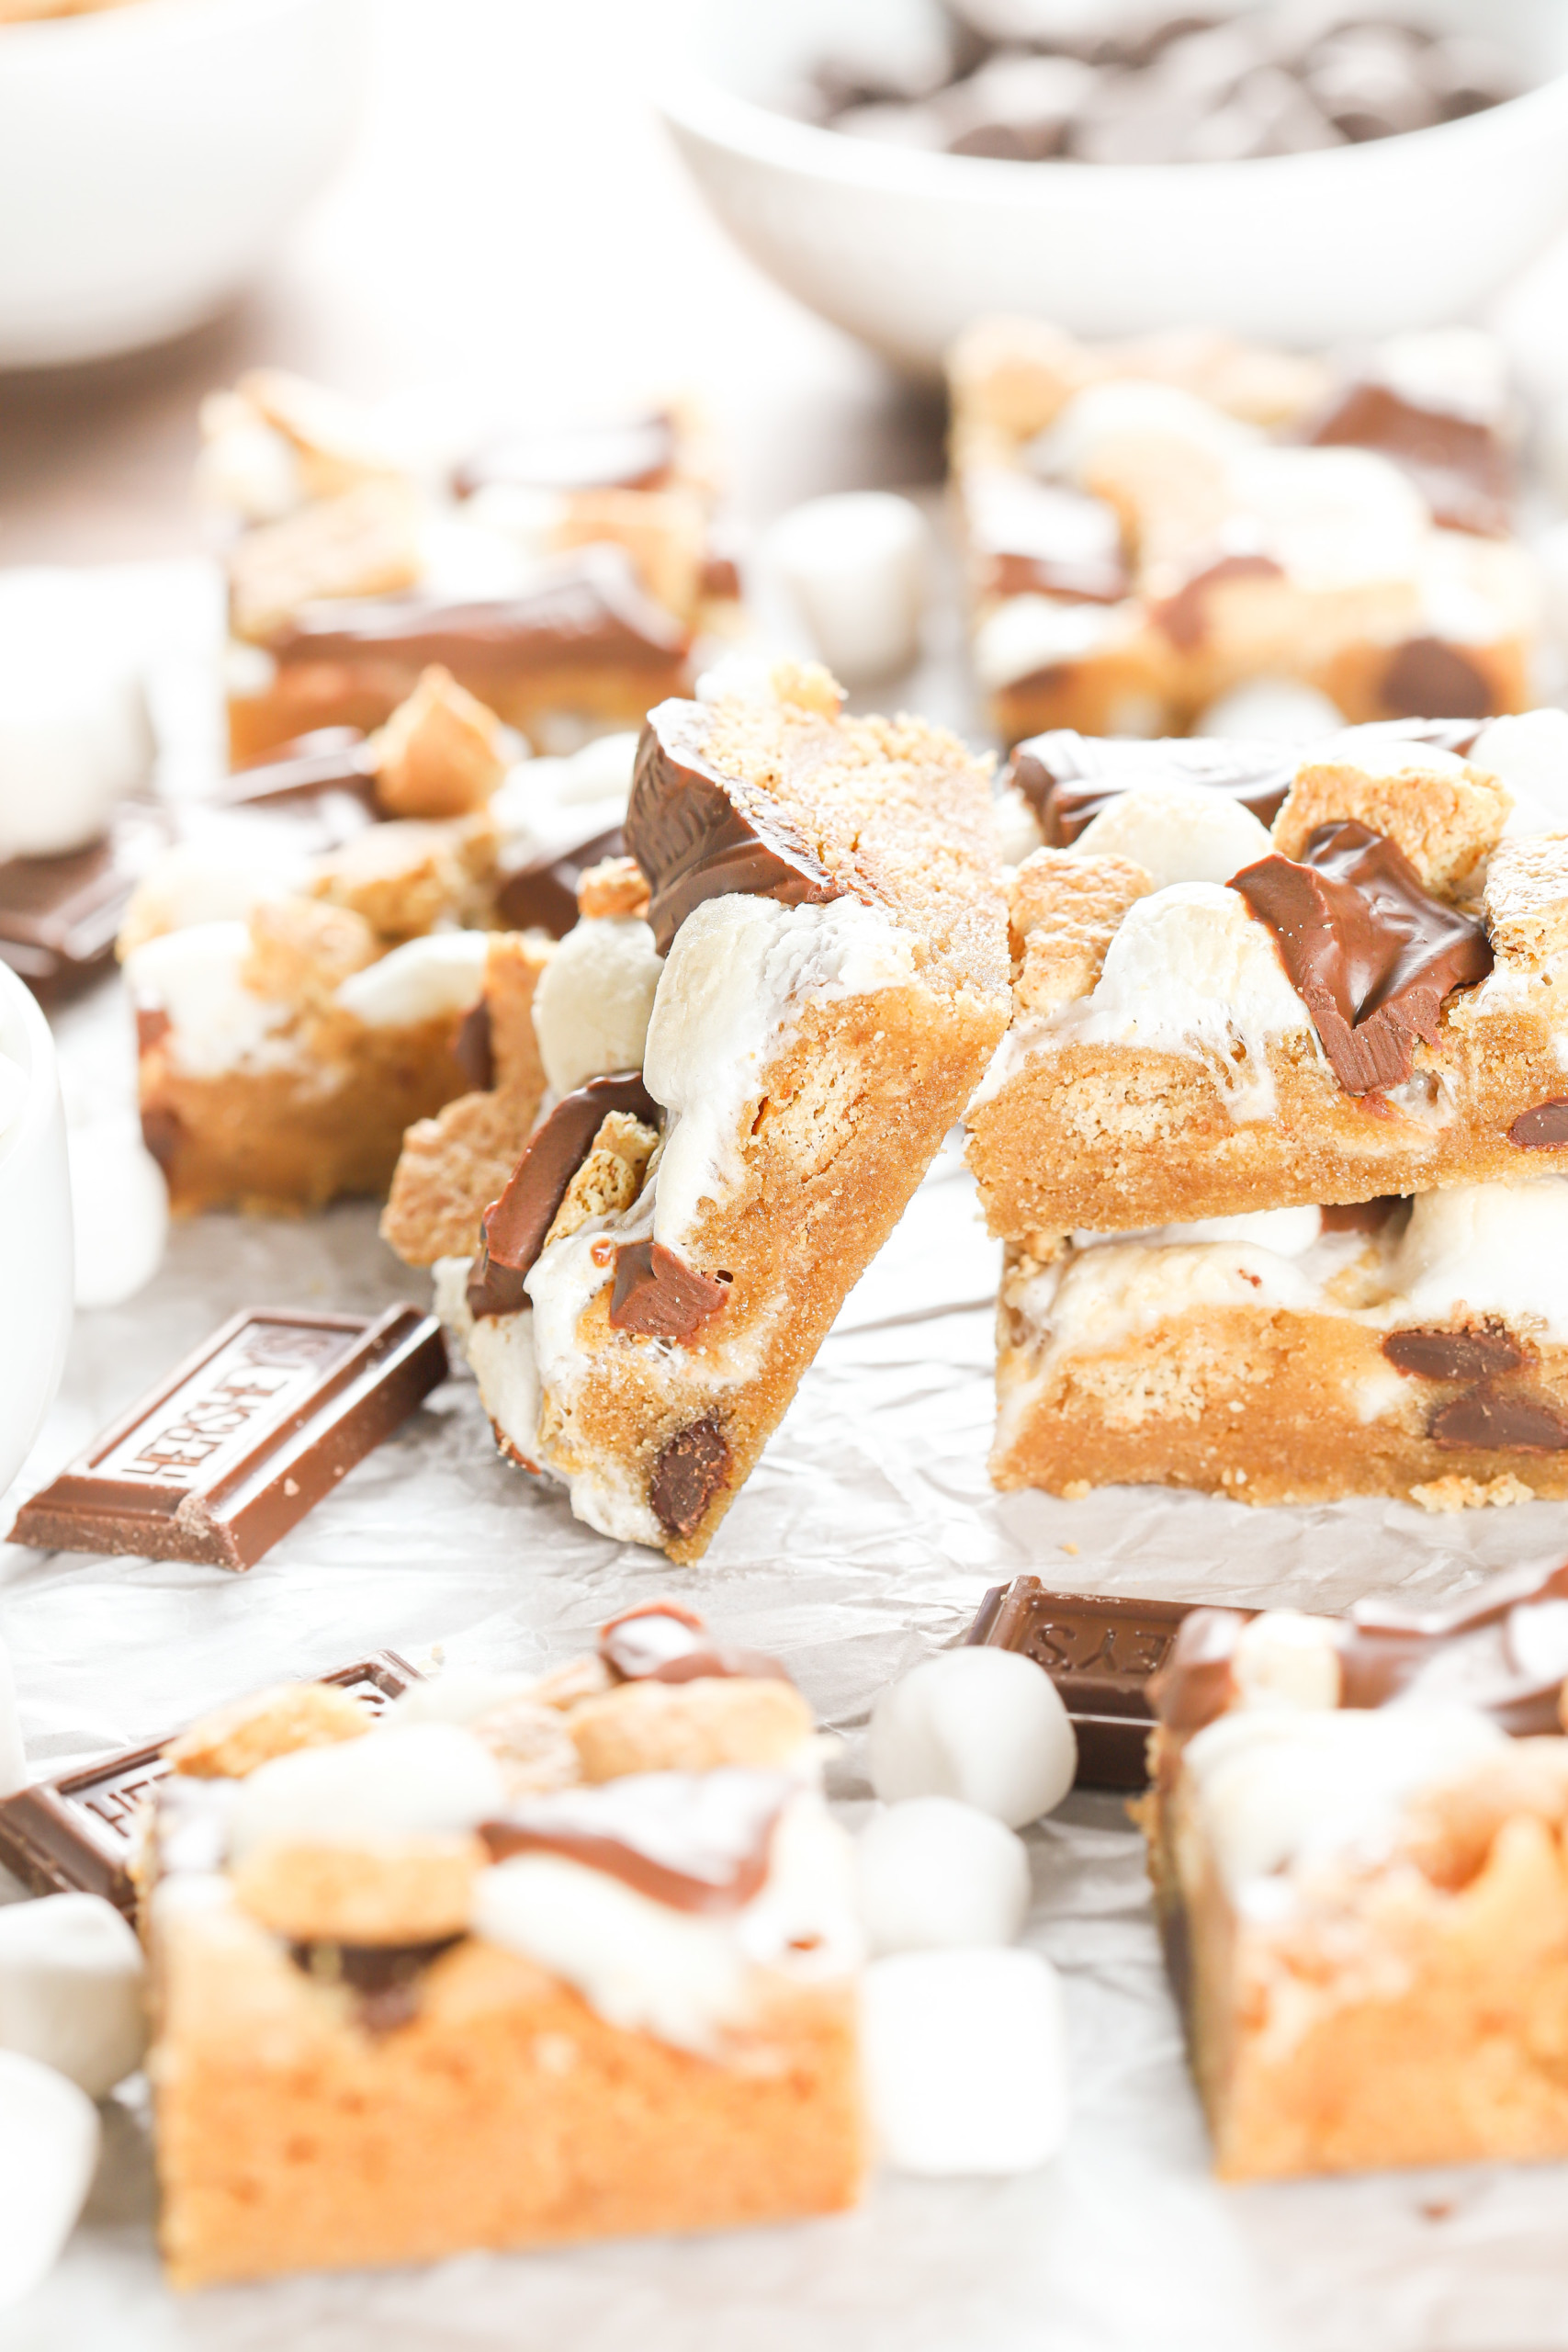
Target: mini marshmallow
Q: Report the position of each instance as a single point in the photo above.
(74, 734)
(593, 1004)
(1462, 370)
(1489, 1249)
(856, 565)
(194, 976)
(432, 1780)
(196, 882)
(1272, 710)
(1290, 1233)
(49, 2151)
(422, 981)
(984, 1726)
(1018, 828)
(1286, 1659)
(72, 1988)
(965, 2061)
(935, 1873)
(1129, 409)
(601, 770)
(1177, 834)
(119, 1208)
(1529, 753)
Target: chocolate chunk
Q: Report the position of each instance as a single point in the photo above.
(513, 1230)
(542, 895)
(1542, 1130)
(689, 1470)
(384, 1978)
(473, 1049)
(1500, 1421)
(1425, 674)
(1457, 463)
(1362, 1216)
(699, 834)
(633, 453)
(658, 1294)
(720, 583)
(1069, 778)
(661, 1642)
(1184, 616)
(1100, 1654)
(232, 1450)
(1040, 538)
(1370, 954)
(697, 1842)
(60, 916)
(77, 1833)
(1471, 1354)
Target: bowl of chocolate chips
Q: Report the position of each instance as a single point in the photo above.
(1298, 171)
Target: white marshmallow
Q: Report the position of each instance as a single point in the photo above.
(1460, 369)
(935, 1873)
(422, 981)
(1272, 710)
(593, 1002)
(432, 1780)
(1529, 753)
(1288, 1233)
(194, 976)
(1129, 409)
(965, 2061)
(251, 470)
(857, 565)
(1018, 830)
(119, 1206)
(1286, 1659)
(1332, 517)
(49, 2151)
(1029, 633)
(1494, 1249)
(459, 1695)
(981, 1725)
(74, 734)
(527, 517)
(72, 1988)
(195, 883)
(1177, 833)
(601, 770)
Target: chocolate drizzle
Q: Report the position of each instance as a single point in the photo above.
(1370, 954)
(697, 1842)
(384, 1978)
(659, 1296)
(699, 834)
(1184, 616)
(513, 1230)
(1457, 464)
(1542, 1129)
(663, 1642)
(690, 1468)
(626, 453)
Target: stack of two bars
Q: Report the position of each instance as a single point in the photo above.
(1273, 1137)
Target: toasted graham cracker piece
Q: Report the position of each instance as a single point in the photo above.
(364, 543)
(410, 1893)
(649, 1726)
(1063, 912)
(515, 966)
(301, 949)
(1526, 898)
(231, 1741)
(406, 876)
(615, 887)
(610, 1177)
(440, 753)
(1444, 824)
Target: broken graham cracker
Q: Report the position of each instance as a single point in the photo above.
(617, 886)
(1446, 821)
(1526, 898)
(1063, 912)
(233, 1449)
(411, 874)
(440, 754)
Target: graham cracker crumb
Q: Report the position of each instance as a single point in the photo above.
(440, 752)
(610, 1177)
(450, 1169)
(1454, 1493)
(231, 1741)
(407, 875)
(617, 886)
(1075, 1491)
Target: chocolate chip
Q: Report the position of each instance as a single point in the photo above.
(1499, 1422)
(691, 1468)
(386, 1978)
(1469, 1354)
(472, 1049)
(659, 1295)
(1542, 1130)
(1428, 679)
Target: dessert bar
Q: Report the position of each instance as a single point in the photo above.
(560, 573)
(1211, 1017)
(589, 1939)
(671, 1249)
(1151, 526)
(1356, 1838)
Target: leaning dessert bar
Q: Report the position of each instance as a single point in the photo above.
(1152, 526)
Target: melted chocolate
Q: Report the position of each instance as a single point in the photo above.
(661, 1642)
(473, 1049)
(513, 1230)
(698, 834)
(1035, 537)
(1425, 674)
(1469, 1354)
(386, 1978)
(659, 1295)
(1500, 1421)
(1370, 954)
(634, 453)
(1069, 778)
(690, 1469)
(1459, 465)
(1542, 1130)
(542, 896)
(697, 1842)
(1184, 616)
(1195, 1684)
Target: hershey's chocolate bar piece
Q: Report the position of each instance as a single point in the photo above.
(75, 1835)
(1100, 1651)
(60, 916)
(542, 895)
(238, 1442)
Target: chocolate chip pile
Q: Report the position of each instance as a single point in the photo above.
(1030, 81)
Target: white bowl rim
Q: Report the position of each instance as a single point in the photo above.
(131, 25)
(43, 1087)
(693, 99)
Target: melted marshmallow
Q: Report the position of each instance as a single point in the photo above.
(1029, 633)
(431, 1779)
(1177, 833)
(422, 981)
(194, 976)
(594, 999)
(1494, 1248)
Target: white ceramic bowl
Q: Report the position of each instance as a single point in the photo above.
(152, 155)
(35, 1231)
(904, 248)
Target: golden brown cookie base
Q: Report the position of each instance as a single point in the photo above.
(507, 2113)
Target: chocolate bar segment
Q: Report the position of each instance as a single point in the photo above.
(60, 916)
(76, 1835)
(229, 1450)
(1100, 1652)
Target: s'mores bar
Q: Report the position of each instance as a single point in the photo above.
(670, 1251)
(1152, 527)
(560, 573)
(1215, 1014)
(1356, 1838)
(523, 1962)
